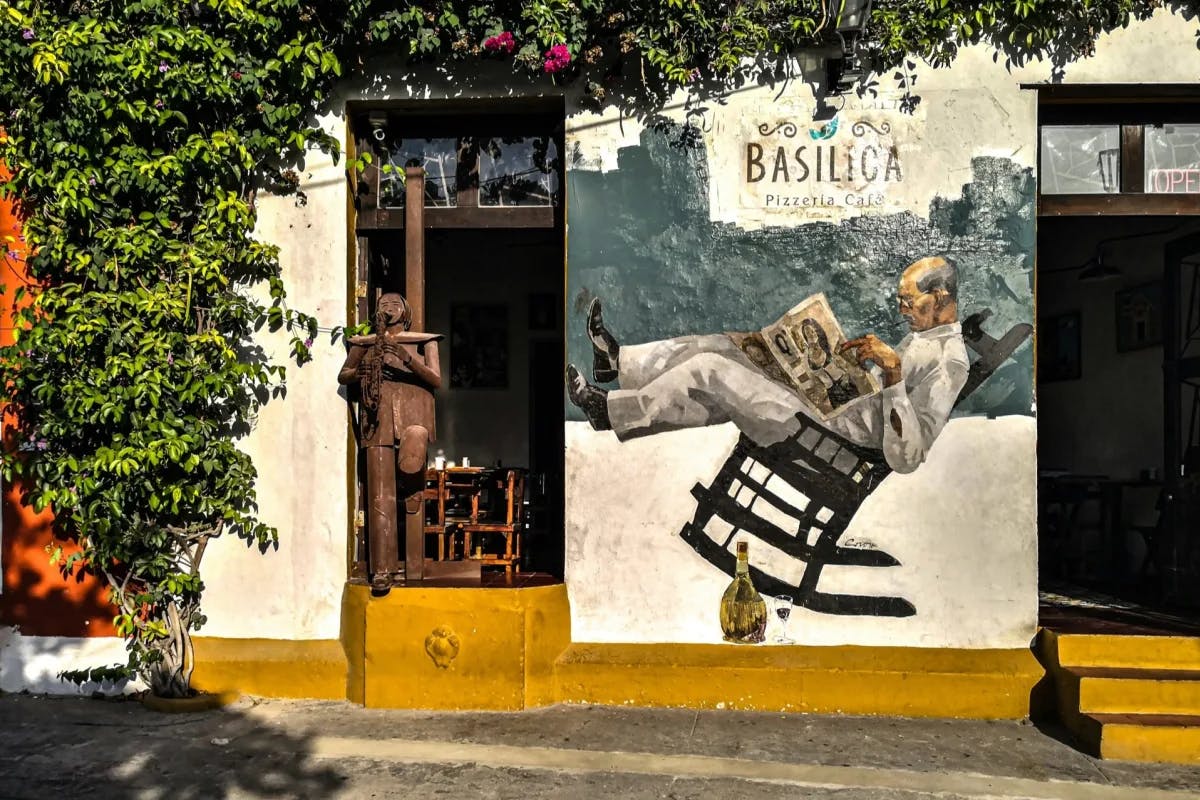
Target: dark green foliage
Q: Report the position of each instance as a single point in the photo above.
(138, 134)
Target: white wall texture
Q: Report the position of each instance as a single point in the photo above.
(32, 663)
(964, 537)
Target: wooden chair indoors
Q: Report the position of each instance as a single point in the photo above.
(501, 520)
(452, 501)
(477, 514)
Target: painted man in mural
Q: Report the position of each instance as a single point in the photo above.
(397, 373)
(693, 381)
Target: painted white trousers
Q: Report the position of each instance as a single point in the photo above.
(693, 381)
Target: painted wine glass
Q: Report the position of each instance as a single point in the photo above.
(783, 610)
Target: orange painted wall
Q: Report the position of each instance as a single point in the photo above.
(36, 597)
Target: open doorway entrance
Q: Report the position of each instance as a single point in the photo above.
(496, 294)
(1118, 410)
(489, 257)
(1118, 357)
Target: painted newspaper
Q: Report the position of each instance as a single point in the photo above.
(802, 349)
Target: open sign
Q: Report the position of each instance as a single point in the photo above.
(1177, 180)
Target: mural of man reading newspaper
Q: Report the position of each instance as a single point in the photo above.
(800, 365)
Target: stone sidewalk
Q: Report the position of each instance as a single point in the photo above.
(54, 747)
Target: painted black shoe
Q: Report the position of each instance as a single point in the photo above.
(592, 400)
(605, 350)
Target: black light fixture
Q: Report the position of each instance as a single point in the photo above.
(844, 70)
(1096, 270)
(852, 15)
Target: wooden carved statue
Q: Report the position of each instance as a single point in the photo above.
(397, 372)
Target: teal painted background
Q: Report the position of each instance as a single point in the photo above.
(639, 237)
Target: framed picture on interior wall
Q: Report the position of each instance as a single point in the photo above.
(1139, 317)
(1058, 355)
(478, 346)
(543, 311)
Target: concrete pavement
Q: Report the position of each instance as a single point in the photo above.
(64, 747)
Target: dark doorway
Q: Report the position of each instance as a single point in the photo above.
(493, 255)
(497, 295)
(1108, 472)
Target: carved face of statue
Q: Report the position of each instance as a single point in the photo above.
(393, 310)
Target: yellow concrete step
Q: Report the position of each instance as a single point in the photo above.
(907, 681)
(1136, 652)
(1109, 690)
(1143, 737)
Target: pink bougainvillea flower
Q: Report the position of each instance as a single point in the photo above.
(162, 66)
(502, 42)
(308, 342)
(237, 76)
(27, 34)
(557, 59)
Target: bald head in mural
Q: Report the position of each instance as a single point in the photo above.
(693, 381)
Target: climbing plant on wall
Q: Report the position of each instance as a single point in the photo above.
(139, 133)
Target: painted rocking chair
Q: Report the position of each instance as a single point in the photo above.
(799, 495)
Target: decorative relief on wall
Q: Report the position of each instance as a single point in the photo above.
(1139, 316)
(442, 646)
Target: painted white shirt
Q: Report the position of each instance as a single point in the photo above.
(933, 367)
(693, 381)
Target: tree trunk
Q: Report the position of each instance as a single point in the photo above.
(172, 675)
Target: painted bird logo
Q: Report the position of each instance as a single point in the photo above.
(826, 131)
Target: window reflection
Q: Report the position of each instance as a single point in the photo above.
(439, 157)
(518, 171)
(1080, 159)
(1172, 158)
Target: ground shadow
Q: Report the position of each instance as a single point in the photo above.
(117, 748)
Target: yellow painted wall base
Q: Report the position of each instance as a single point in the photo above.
(982, 684)
(314, 668)
(450, 648)
(509, 649)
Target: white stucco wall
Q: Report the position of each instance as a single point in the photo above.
(965, 539)
(636, 580)
(977, 107)
(32, 663)
(300, 443)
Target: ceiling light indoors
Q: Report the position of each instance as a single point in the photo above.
(1096, 270)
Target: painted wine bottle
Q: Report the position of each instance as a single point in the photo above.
(743, 611)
